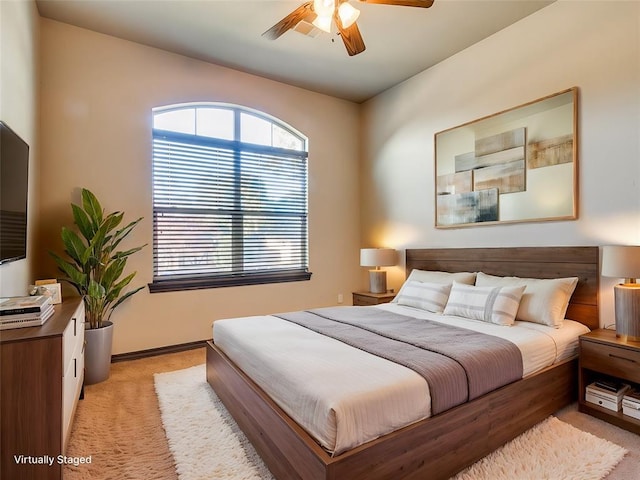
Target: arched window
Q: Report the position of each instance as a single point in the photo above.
(229, 198)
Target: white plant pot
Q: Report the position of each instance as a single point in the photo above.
(97, 355)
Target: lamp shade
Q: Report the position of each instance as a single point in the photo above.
(621, 261)
(378, 257)
(323, 23)
(348, 14)
(324, 8)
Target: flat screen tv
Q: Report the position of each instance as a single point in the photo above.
(14, 179)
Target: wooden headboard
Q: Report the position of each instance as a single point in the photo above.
(532, 262)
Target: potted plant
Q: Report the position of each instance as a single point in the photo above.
(95, 267)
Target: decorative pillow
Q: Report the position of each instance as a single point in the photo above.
(424, 295)
(544, 301)
(490, 304)
(445, 278)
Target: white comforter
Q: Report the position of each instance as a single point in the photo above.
(343, 396)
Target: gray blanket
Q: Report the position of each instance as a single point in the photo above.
(458, 364)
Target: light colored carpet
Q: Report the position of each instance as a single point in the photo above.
(629, 467)
(206, 443)
(118, 423)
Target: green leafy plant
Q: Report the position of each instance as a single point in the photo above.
(95, 264)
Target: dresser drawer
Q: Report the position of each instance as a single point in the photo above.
(71, 386)
(73, 337)
(615, 361)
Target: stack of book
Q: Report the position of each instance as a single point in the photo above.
(631, 403)
(17, 312)
(607, 394)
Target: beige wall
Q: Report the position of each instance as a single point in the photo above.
(96, 101)
(95, 108)
(19, 32)
(592, 45)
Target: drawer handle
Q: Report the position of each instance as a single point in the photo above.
(622, 358)
(75, 368)
(75, 324)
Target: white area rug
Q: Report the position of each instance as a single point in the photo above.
(552, 450)
(207, 444)
(205, 440)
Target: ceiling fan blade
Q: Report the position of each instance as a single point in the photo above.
(403, 3)
(289, 21)
(351, 37)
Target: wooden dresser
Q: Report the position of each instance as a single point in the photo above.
(42, 370)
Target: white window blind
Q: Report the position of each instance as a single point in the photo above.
(227, 212)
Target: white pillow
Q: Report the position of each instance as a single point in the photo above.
(424, 295)
(490, 304)
(442, 277)
(445, 278)
(544, 301)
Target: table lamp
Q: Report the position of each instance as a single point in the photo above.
(377, 257)
(624, 262)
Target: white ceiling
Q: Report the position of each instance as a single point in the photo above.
(401, 41)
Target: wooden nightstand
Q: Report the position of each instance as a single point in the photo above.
(602, 354)
(368, 298)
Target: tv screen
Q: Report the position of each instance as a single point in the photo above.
(14, 179)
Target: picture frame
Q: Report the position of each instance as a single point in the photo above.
(51, 288)
(56, 292)
(518, 165)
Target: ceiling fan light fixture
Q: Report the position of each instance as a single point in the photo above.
(323, 13)
(348, 14)
(323, 23)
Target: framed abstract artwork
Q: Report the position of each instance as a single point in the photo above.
(519, 165)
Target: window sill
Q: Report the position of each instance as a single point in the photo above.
(197, 283)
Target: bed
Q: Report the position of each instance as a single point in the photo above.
(442, 444)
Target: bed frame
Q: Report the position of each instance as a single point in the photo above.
(440, 446)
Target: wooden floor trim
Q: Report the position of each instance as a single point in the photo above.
(152, 352)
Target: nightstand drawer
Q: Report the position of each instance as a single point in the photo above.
(618, 362)
(367, 298)
(360, 300)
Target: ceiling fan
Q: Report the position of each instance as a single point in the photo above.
(322, 13)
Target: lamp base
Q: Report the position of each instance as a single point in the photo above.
(627, 301)
(377, 281)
